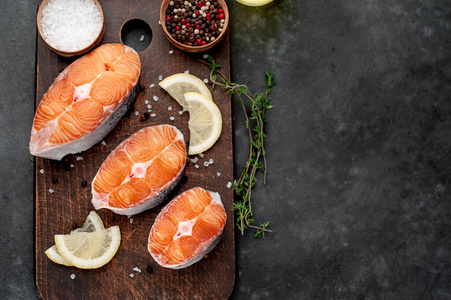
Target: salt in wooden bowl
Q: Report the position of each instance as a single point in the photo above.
(77, 52)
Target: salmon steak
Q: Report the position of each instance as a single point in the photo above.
(85, 101)
(141, 171)
(187, 228)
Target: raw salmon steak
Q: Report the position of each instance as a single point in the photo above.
(86, 101)
(187, 228)
(141, 171)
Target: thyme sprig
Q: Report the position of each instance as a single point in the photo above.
(255, 122)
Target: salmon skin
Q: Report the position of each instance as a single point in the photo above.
(86, 101)
(141, 171)
(187, 228)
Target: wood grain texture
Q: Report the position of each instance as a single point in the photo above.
(67, 207)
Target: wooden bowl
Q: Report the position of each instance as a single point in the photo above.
(193, 49)
(70, 53)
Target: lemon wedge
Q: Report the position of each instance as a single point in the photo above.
(254, 2)
(89, 250)
(178, 84)
(92, 223)
(54, 256)
(205, 122)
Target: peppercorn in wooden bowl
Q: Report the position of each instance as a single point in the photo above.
(70, 27)
(194, 25)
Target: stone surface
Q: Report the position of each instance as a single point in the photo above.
(358, 149)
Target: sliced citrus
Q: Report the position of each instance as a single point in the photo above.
(92, 223)
(53, 255)
(205, 122)
(89, 249)
(179, 84)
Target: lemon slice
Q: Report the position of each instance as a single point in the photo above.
(205, 122)
(89, 250)
(179, 84)
(254, 2)
(54, 256)
(92, 223)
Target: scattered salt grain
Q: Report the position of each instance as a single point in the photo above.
(211, 161)
(186, 72)
(103, 143)
(72, 276)
(155, 98)
(171, 118)
(170, 108)
(131, 220)
(79, 157)
(206, 80)
(196, 166)
(141, 38)
(159, 22)
(181, 112)
(206, 56)
(229, 185)
(152, 85)
(41, 171)
(171, 51)
(153, 115)
(71, 165)
(160, 77)
(206, 164)
(136, 113)
(219, 174)
(195, 160)
(136, 269)
(131, 275)
(201, 155)
(149, 106)
(51, 191)
(147, 101)
(70, 25)
(149, 110)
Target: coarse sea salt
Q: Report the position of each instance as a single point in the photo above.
(160, 77)
(171, 118)
(70, 25)
(141, 39)
(229, 185)
(152, 85)
(155, 98)
(79, 157)
(72, 276)
(153, 115)
(136, 113)
(146, 102)
(206, 80)
(136, 269)
(206, 56)
(51, 191)
(186, 72)
(103, 143)
(41, 171)
(170, 108)
(171, 51)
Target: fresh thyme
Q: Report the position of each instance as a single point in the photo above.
(255, 122)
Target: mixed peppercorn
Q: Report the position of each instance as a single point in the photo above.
(195, 23)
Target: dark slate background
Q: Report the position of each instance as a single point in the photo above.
(358, 149)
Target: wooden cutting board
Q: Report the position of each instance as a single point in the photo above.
(67, 207)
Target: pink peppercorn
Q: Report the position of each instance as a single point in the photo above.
(183, 21)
